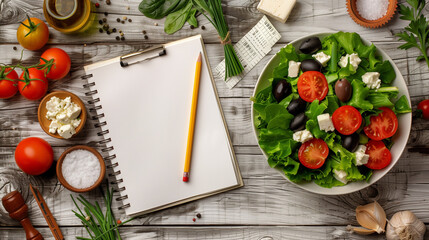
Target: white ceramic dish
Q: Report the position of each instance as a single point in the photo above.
(400, 139)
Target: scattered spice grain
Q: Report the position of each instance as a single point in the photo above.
(203, 27)
(122, 34)
(97, 5)
(114, 30)
(118, 19)
(100, 22)
(192, 27)
(106, 13)
(119, 221)
(87, 218)
(108, 2)
(128, 8)
(104, 19)
(122, 21)
(129, 20)
(100, 30)
(144, 32)
(125, 18)
(198, 215)
(15, 48)
(108, 32)
(118, 38)
(146, 37)
(193, 219)
(156, 24)
(122, 38)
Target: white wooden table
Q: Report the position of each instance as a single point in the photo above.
(268, 205)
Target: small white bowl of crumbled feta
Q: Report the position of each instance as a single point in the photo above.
(62, 114)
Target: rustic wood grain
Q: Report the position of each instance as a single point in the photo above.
(268, 205)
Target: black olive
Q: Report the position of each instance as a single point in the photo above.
(298, 122)
(297, 106)
(311, 65)
(350, 142)
(343, 90)
(282, 90)
(311, 45)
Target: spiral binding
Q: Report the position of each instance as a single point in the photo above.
(112, 166)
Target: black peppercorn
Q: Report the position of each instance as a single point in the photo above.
(198, 215)
(106, 13)
(104, 20)
(108, 32)
(100, 30)
(122, 21)
(114, 30)
(100, 22)
(108, 2)
(15, 48)
(203, 27)
(118, 38)
(129, 20)
(144, 32)
(122, 38)
(146, 37)
(192, 27)
(118, 19)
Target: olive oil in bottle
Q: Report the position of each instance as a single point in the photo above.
(68, 16)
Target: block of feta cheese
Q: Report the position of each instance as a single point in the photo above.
(325, 122)
(322, 58)
(277, 9)
(361, 157)
(293, 70)
(340, 175)
(302, 136)
(372, 80)
(353, 58)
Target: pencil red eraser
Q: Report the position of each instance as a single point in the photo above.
(185, 179)
(185, 176)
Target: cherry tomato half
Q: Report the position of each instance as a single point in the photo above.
(8, 88)
(313, 153)
(36, 88)
(312, 85)
(382, 126)
(62, 63)
(346, 120)
(379, 156)
(34, 155)
(424, 106)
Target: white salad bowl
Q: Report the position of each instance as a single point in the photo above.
(400, 139)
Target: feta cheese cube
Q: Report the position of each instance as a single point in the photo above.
(372, 80)
(54, 126)
(340, 175)
(293, 68)
(322, 58)
(302, 136)
(325, 122)
(277, 9)
(66, 131)
(75, 122)
(73, 111)
(353, 58)
(361, 158)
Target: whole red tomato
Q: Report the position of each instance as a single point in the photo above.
(32, 34)
(62, 63)
(33, 85)
(34, 155)
(424, 106)
(8, 83)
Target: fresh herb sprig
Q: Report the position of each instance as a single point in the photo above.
(212, 10)
(99, 225)
(417, 32)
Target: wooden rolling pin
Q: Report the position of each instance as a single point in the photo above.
(14, 204)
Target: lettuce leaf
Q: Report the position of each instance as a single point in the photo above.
(359, 95)
(352, 43)
(402, 105)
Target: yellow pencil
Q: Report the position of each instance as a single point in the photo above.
(192, 120)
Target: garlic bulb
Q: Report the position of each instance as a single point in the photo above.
(371, 217)
(405, 226)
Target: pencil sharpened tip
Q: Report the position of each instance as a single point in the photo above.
(199, 57)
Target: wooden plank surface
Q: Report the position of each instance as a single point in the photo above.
(268, 205)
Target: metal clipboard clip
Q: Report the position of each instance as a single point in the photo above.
(124, 59)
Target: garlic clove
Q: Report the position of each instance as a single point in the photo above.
(372, 217)
(405, 225)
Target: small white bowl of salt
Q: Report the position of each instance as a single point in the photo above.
(81, 169)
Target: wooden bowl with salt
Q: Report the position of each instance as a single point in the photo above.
(353, 9)
(69, 186)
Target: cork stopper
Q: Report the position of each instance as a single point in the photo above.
(354, 14)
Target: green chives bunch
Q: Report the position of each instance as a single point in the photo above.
(98, 225)
(212, 9)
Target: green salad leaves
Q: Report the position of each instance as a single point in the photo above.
(273, 119)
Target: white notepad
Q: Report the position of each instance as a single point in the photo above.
(146, 107)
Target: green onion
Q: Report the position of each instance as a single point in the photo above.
(212, 10)
(106, 228)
